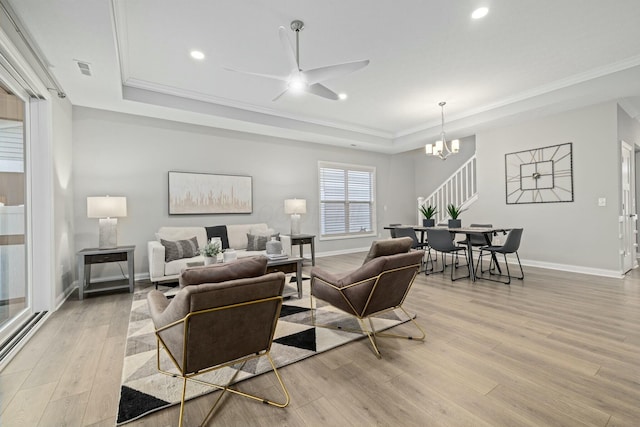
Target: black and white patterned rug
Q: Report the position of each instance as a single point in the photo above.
(144, 390)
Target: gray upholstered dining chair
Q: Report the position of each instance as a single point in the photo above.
(392, 229)
(510, 246)
(224, 316)
(478, 240)
(380, 285)
(415, 243)
(440, 240)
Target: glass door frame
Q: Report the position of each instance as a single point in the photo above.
(19, 319)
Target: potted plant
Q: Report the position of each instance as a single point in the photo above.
(454, 212)
(428, 212)
(211, 250)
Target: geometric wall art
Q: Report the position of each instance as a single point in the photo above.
(540, 175)
(205, 193)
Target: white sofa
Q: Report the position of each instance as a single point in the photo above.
(161, 271)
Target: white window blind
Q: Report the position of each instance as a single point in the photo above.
(347, 200)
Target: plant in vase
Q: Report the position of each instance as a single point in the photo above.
(211, 250)
(428, 212)
(454, 212)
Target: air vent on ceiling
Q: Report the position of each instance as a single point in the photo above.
(84, 67)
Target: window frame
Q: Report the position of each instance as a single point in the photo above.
(348, 167)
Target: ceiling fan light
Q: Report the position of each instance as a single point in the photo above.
(428, 149)
(455, 145)
(297, 83)
(342, 96)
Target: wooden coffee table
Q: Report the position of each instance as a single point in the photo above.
(288, 265)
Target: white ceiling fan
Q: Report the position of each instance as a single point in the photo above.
(309, 81)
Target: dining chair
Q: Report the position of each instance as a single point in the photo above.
(478, 240)
(511, 246)
(416, 244)
(392, 230)
(440, 240)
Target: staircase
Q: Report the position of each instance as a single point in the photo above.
(459, 189)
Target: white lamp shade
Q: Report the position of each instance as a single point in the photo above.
(295, 206)
(428, 149)
(455, 145)
(106, 207)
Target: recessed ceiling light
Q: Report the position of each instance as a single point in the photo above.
(480, 12)
(342, 96)
(196, 54)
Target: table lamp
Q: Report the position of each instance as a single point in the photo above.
(295, 207)
(108, 210)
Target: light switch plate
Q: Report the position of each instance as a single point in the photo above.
(602, 201)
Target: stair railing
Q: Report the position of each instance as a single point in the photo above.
(459, 189)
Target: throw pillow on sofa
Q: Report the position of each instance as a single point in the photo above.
(178, 249)
(258, 242)
(218, 231)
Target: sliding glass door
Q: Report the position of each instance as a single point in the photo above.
(15, 299)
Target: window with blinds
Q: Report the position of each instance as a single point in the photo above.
(347, 200)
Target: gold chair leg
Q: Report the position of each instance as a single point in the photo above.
(422, 336)
(184, 392)
(313, 311)
(228, 388)
(372, 337)
(224, 388)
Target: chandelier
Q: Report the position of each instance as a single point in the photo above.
(442, 148)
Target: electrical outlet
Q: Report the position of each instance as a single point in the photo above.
(602, 201)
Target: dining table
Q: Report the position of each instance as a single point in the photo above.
(487, 232)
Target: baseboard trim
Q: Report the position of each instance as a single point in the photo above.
(341, 252)
(65, 295)
(573, 269)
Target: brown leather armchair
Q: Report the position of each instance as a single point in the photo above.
(381, 284)
(224, 315)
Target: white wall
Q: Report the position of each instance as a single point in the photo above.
(577, 235)
(126, 155)
(400, 202)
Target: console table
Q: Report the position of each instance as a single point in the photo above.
(87, 257)
(305, 239)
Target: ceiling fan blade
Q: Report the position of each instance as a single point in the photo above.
(268, 76)
(323, 91)
(281, 93)
(332, 71)
(288, 50)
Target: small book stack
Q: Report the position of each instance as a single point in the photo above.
(277, 256)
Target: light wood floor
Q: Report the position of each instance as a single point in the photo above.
(555, 349)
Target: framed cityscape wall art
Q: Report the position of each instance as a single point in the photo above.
(205, 193)
(540, 175)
